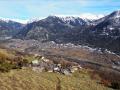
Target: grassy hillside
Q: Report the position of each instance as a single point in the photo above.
(10, 59)
(14, 77)
(26, 79)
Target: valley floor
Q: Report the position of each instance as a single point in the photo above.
(106, 65)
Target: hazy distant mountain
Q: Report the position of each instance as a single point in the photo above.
(104, 32)
(8, 27)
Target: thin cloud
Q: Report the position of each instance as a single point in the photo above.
(24, 9)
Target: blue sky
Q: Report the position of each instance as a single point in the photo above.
(25, 9)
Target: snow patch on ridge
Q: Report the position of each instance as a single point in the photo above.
(16, 20)
(83, 16)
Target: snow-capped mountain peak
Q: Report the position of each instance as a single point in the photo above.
(68, 20)
(115, 14)
(83, 16)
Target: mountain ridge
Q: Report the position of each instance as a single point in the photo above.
(103, 33)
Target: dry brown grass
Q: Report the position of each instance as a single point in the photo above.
(4, 55)
(29, 80)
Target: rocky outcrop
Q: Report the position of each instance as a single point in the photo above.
(46, 65)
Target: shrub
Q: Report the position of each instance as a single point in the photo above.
(115, 85)
(65, 64)
(5, 67)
